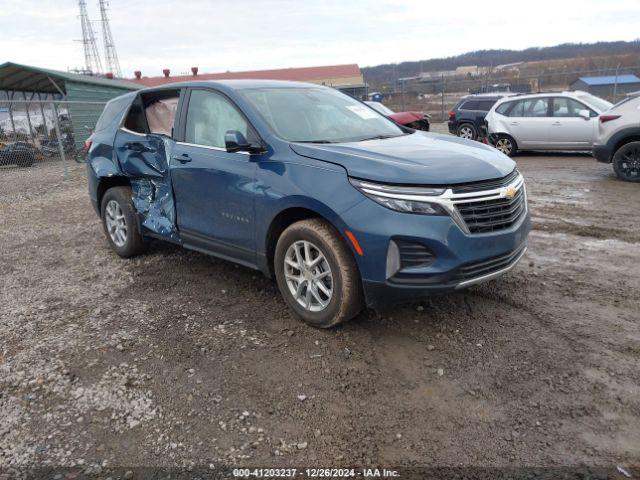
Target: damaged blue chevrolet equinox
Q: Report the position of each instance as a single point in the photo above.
(345, 208)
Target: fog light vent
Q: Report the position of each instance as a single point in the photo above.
(414, 254)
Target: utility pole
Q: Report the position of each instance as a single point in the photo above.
(615, 85)
(111, 57)
(92, 61)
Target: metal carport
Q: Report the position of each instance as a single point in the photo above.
(83, 95)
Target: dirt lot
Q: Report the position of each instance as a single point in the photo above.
(178, 359)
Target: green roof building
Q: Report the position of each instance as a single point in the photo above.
(85, 94)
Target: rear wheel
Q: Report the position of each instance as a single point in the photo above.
(626, 162)
(120, 223)
(506, 145)
(468, 131)
(317, 274)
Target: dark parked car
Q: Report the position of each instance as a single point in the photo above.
(22, 154)
(302, 182)
(412, 119)
(466, 120)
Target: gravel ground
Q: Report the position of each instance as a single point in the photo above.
(176, 359)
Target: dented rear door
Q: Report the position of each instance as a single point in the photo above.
(144, 159)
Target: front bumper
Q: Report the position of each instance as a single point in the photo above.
(381, 294)
(602, 153)
(439, 255)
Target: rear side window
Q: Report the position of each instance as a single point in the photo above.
(470, 105)
(535, 107)
(485, 105)
(153, 112)
(530, 107)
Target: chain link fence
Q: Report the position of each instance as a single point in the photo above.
(37, 132)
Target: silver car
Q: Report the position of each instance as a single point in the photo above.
(545, 121)
(618, 138)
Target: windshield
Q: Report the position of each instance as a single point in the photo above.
(319, 115)
(598, 103)
(380, 108)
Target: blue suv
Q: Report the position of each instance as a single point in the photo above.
(344, 207)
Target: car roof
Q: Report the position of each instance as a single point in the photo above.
(565, 93)
(488, 96)
(234, 84)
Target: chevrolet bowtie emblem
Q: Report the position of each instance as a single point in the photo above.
(510, 192)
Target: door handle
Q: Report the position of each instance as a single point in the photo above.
(513, 123)
(184, 158)
(139, 147)
(556, 124)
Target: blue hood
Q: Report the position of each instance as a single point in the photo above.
(418, 158)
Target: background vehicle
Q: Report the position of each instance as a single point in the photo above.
(286, 178)
(466, 119)
(22, 154)
(50, 147)
(618, 138)
(545, 121)
(413, 119)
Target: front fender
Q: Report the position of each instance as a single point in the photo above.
(316, 186)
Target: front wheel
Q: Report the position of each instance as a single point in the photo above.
(506, 145)
(120, 223)
(317, 274)
(626, 162)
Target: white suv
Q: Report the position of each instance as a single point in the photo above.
(618, 138)
(545, 121)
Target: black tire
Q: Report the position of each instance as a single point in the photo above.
(134, 243)
(626, 162)
(506, 144)
(467, 130)
(347, 299)
(26, 160)
(80, 156)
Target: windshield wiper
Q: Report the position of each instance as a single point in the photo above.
(381, 137)
(312, 141)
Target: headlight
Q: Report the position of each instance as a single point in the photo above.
(402, 199)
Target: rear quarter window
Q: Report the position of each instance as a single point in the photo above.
(503, 108)
(112, 112)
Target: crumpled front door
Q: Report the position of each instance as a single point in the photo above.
(145, 160)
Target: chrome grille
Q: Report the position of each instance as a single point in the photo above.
(485, 184)
(484, 216)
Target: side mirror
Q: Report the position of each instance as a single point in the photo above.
(585, 114)
(234, 141)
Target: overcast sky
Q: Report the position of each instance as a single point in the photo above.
(221, 35)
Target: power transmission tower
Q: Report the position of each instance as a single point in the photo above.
(91, 58)
(111, 57)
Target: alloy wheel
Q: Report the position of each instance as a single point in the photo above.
(628, 162)
(466, 132)
(504, 145)
(116, 223)
(308, 276)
